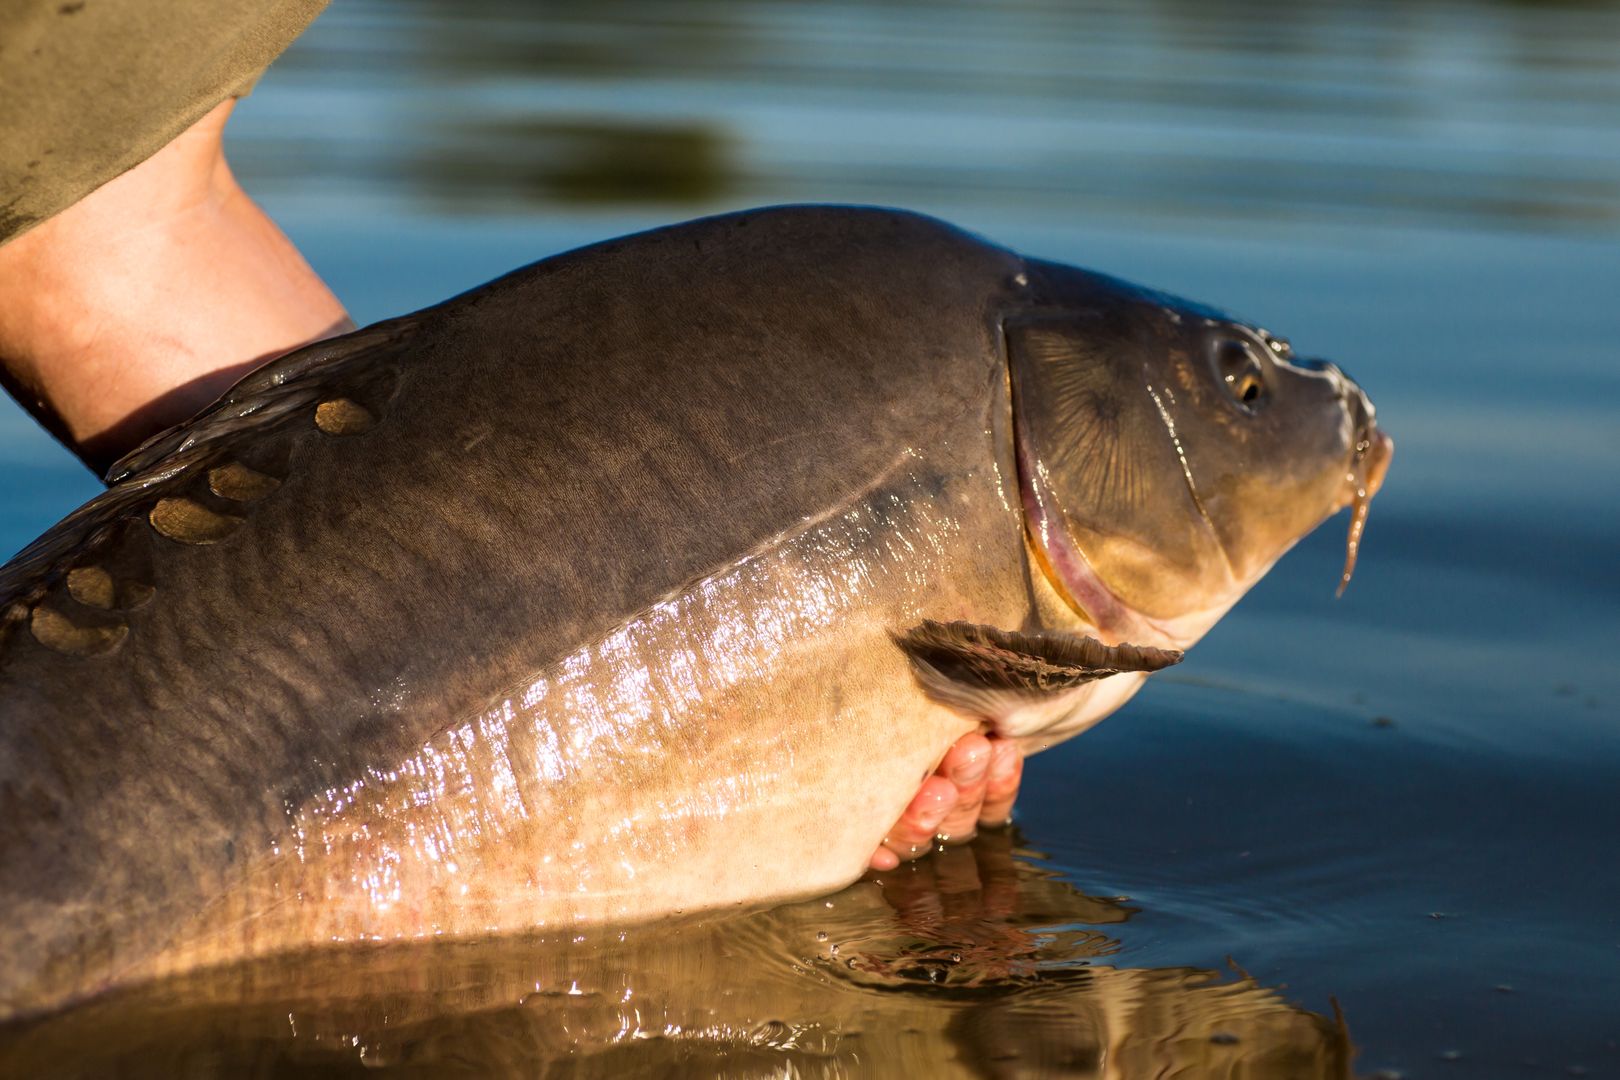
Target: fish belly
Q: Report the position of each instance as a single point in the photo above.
(745, 740)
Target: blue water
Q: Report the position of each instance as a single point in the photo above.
(1403, 801)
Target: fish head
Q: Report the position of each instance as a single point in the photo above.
(1168, 454)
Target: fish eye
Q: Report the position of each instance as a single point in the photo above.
(1240, 372)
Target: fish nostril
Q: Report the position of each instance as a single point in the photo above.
(1318, 364)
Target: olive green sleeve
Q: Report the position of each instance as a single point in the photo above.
(91, 88)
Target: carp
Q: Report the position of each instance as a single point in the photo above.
(578, 598)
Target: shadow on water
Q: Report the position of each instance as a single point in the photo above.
(976, 961)
(585, 161)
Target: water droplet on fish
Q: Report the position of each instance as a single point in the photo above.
(821, 935)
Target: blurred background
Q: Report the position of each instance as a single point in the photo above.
(1403, 800)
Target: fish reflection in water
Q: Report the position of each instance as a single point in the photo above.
(976, 961)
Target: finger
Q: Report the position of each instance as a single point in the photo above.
(1001, 785)
(967, 766)
(913, 834)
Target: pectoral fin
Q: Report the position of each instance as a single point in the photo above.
(1015, 681)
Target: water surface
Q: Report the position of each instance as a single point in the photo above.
(1383, 826)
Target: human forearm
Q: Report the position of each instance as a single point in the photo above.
(138, 305)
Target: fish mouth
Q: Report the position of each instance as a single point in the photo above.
(1369, 464)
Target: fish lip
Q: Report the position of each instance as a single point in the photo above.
(1378, 462)
(1380, 449)
(1369, 464)
(1370, 450)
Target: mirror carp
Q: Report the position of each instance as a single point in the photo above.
(650, 578)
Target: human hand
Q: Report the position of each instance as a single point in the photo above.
(975, 784)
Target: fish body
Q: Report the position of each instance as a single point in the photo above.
(582, 597)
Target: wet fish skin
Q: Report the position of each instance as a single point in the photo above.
(555, 453)
(569, 600)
